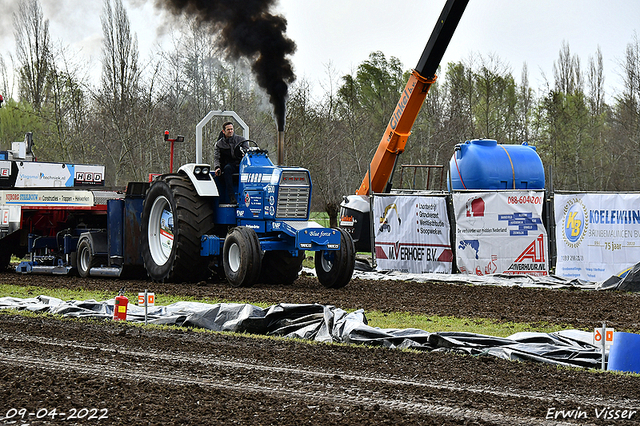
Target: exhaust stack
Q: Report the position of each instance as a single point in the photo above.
(280, 147)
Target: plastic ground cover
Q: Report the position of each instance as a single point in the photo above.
(627, 280)
(330, 324)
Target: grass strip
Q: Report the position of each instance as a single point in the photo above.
(434, 323)
(386, 320)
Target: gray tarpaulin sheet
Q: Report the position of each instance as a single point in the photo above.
(627, 280)
(331, 324)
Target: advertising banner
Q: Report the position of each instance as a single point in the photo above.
(6, 177)
(57, 175)
(84, 174)
(500, 233)
(597, 235)
(5, 169)
(46, 198)
(412, 234)
(9, 219)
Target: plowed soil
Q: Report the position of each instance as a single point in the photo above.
(130, 375)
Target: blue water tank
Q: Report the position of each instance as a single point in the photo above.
(485, 164)
(623, 355)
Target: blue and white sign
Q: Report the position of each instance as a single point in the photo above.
(43, 175)
(500, 233)
(597, 235)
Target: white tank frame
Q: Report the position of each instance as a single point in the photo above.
(206, 119)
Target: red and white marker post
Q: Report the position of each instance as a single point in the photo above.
(146, 299)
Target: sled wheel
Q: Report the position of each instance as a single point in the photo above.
(242, 257)
(85, 257)
(174, 218)
(335, 267)
(281, 267)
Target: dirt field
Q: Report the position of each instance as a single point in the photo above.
(128, 375)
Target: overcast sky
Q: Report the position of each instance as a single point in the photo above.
(342, 33)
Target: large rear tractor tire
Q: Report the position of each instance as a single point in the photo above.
(242, 257)
(174, 218)
(335, 267)
(281, 267)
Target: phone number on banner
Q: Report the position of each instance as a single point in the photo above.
(525, 199)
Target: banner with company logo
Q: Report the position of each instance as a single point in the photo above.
(500, 233)
(597, 235)
(53, 175)
(412, 234)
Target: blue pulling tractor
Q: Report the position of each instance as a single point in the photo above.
(180, 228)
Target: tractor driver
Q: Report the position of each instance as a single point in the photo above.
(227, 153)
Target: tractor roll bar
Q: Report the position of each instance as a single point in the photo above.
(206, 119)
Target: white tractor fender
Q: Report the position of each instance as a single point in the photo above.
(202, 179)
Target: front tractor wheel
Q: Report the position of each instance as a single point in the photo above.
(242, 257)
(335, 267)
(174, 218)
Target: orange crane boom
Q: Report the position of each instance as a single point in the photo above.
(423, 76)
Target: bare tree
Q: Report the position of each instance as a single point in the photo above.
(626, 123)
(118, 96)
(525, 106)
(571, 137)
(67, 108)
(631, 71)
(566, 71)
(196, 78)
(6, 88)
(429, 142)
(320, 143)
(120, 73)
(596, 83)
(33, 51)
(460, 100)
(495, 105)
(367, 101)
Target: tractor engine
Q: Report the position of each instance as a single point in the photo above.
(268, 192)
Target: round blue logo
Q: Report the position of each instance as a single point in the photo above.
(575, 222)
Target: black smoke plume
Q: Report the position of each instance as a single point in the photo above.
(249, 30)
